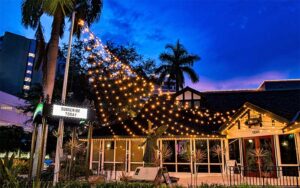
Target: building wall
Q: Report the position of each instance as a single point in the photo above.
(17, 55)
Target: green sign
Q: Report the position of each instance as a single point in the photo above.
(38, 110)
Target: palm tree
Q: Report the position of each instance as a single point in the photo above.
(32, 11)
(177, 62)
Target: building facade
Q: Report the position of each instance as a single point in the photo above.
(256, 130)
(17, 57)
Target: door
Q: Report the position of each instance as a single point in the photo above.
(259, 157)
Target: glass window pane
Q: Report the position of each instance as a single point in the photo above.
(184, 168)
(215, 168)
(170, 168)
(234, 150)
(96, 147)
(120, 151)
(196, 103)
(170, 144)
(290, 171)
(109, 150)
(120, 166)
(287, 149)
(95, 168)
(201, 149)
(215, 154)
(183, 151)
(136, 151)
(109, 166)
(202, 168)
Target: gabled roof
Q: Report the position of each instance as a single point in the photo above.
(185, 90)
(244, 110)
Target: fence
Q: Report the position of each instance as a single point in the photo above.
(273, 175)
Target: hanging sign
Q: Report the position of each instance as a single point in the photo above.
(69, 112)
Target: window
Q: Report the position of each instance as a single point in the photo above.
(6, 107)
(201, 148)
(170, 161)
(26, 87)
(109, 147)
(27, 79)
(136, 154)
(288, 155)
(31, 55)
(234, 150)
(215, 151)
(120, 151)
(171, 145)
(136, 151)
(287, 149)
(96, 150)
(196, 103)
(183, 151)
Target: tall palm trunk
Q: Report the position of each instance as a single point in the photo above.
(49, 79)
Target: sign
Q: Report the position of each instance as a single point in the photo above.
(253, 121)
(38, 111)
(231, 163)
(69, 112)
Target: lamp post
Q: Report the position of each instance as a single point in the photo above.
(59, 150)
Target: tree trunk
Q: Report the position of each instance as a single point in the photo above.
(49, 78)
(33, 140)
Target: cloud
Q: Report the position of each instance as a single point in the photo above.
(251, 82)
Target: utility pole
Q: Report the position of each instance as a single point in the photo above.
(59, 145)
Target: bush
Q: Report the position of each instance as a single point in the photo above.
(125, 185)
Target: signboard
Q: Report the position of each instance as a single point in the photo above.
(69, 112)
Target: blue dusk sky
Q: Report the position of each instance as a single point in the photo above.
(241, 42)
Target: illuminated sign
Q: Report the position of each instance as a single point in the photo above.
(69, 112)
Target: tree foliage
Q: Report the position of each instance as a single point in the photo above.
(177, 61)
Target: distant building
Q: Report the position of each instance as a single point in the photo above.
(269, 85)
(17, 57)
(11, 114)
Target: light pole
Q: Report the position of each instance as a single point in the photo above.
(59, 150)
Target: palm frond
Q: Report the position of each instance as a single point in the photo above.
(41, 47)
(191, 73)
(189, 59)
(89, 11)
(51, 6)
(31, 12)
(166, 57)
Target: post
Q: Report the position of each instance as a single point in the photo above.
(41, 151)
(88, 150)
(59, 145)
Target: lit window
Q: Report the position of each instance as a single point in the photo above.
(5, 107)
(28, 71)
(30, 64)
(25, 87)
(31, 55)
(27, 79)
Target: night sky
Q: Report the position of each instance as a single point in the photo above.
(241, 43)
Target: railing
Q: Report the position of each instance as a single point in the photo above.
(273, 175)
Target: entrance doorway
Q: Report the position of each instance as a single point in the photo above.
(259, 157)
